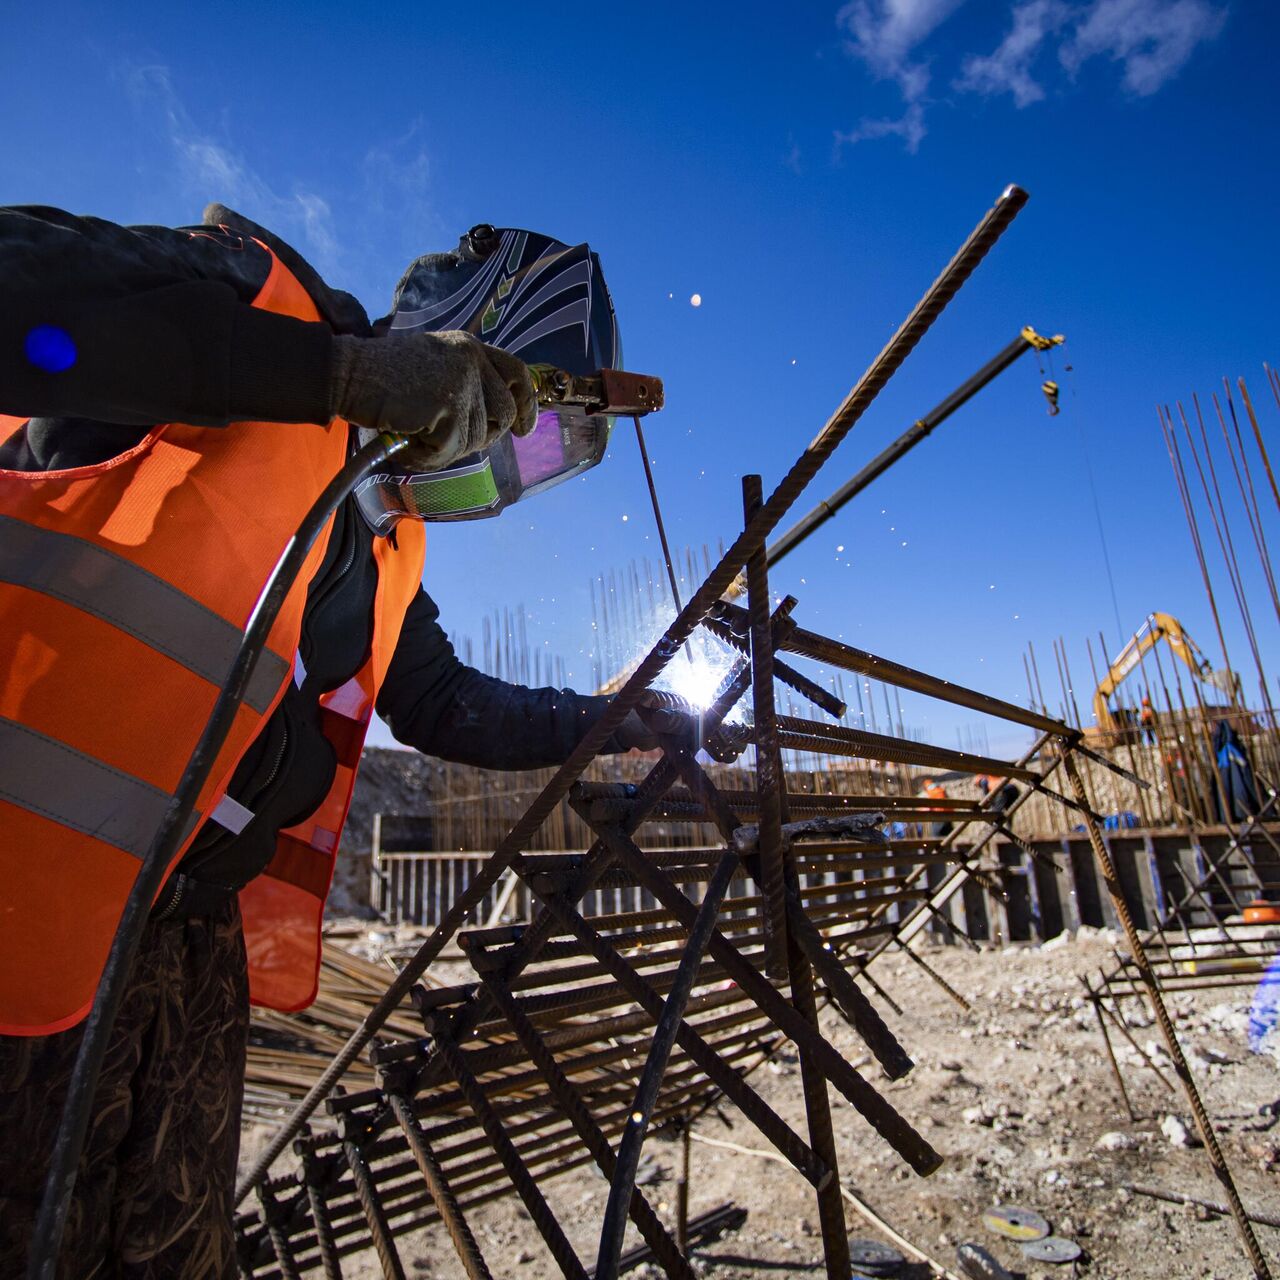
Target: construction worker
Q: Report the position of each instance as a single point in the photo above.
(176, 401)
(932, 789)
(1147, 722)
(1003, 791)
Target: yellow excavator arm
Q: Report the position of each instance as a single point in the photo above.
(1157, 627)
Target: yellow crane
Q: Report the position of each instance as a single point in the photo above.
(1157, 627)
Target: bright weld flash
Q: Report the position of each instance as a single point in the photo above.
(698, 670)
(696, 682)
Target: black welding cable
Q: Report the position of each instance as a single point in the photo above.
(657, 514)
(60, 1180)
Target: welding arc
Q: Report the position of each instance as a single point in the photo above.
(61, 1178)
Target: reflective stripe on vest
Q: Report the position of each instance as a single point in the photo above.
(108, 586)
(114, 807)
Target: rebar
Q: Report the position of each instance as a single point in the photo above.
(1204, 1126)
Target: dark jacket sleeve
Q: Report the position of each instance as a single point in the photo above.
(433, 701)
(160, 323)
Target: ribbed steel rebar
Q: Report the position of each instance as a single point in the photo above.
(591, 1135)
(769, 775)
(661, 1044)
(516, 1169)
(375, 1214)
(442, 1195)
(1204, 1126)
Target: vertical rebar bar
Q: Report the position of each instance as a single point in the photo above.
(1257, 431)
(1142, 963)
(446, 1203)
(768, 755)
(374, 1213)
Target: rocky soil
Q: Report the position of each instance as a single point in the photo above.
(1017, 1094)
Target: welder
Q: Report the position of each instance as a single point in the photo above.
(175, 401)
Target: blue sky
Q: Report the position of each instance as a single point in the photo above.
(806, 169)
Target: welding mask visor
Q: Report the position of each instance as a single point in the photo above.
(564, 443)
(546, 303)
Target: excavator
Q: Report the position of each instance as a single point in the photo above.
(1115, 725)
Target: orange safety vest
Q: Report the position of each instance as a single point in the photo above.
(124, 591)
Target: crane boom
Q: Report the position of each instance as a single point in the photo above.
(1157, 627)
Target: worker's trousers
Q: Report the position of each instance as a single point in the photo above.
(154, 1194)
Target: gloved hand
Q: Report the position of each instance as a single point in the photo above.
(633, 734)
(450, 391)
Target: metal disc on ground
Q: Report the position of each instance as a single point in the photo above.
(871, 1258)
(1015, 1223)
(1051, 1249)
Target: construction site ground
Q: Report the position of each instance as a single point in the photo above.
(1019, 1098)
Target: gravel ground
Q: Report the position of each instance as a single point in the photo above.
(1017, 1095)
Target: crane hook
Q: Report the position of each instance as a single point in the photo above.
(1050, 389)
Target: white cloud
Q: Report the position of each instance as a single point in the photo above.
(909, 127)
(210, 171)
(884, 34)
(1151, 38)
(1008, 68)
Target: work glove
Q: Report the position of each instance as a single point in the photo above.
(451, 392)
(633, 734)
(725, 744)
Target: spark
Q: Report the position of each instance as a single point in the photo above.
(696, 300)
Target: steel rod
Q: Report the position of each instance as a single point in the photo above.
(768, 753)
(669, 1255)
(837, 653)
(516, 1169)
(464, 1242)
(311, 1175)
(912, 436)
(848, 996)
(1177, 1197)
(661, 1045)
(1204, 1125)
(375, 1214)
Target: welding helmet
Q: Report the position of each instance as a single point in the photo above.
(543, 301)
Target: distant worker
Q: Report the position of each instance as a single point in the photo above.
(1147, 722)
(157, 461)
(932, 789)
(1003, 791)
